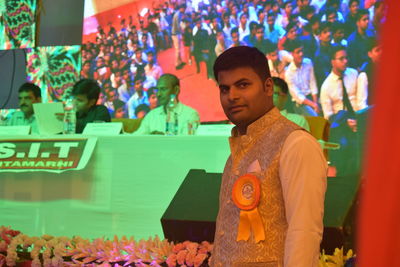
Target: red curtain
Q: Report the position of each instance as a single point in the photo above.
(379, 217)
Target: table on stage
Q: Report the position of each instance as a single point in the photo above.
(124, 190)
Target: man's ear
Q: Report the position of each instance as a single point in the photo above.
(92, 102)
(269, 86)
(177, 89)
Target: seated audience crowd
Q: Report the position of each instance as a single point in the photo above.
(322, 54)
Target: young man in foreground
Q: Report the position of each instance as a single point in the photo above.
(273, 186)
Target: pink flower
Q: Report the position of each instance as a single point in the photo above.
(171, 260)
(178, 247)
(190, 258)
(181, 256)
(199, 259)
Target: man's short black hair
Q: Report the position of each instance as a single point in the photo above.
(336, 49)
(291, 45)
(330, 10)
(272, 48)
(152, 91)
(30, 87)
(260, 26)
(234, 30)
(242, 56)
(281, 84)
(271, 14)
(325, 25)
(352, 1)
(291, 25)
(336, 26)
(88, 87)
(360, 13)
(253, 25)
(172, 77)
(142, 107)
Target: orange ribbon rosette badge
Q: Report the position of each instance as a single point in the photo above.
(246, 196)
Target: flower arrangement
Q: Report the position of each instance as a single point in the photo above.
(50, 251)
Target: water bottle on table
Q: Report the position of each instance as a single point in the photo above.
(69, 117)
(171, 127)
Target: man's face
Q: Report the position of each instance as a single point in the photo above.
(243, 20)
(298, 55)
(138, 85)
(271, 20)
(288, 9)
(244, 97)
(260, 34)
(111, 95)
(362, 23)
(315, 27)
(339, 62)
(82, 103)
(375, 54)
(280, 98)
(220, 36)
(86, 67)
(138, 55)
(261, 16)
(332, 17)
(235, 37)
(119, 113)
(253, 30)
(118, 51)
(25, 100)
(226, 19)
(153, 101)
(100, 62)
(292, 33)
(273, 56)
(338, 35)
(165, 89)
(325, 36)
(114, 64)
(354, 8)
(150, 58)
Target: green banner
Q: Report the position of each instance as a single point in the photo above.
(54, 155)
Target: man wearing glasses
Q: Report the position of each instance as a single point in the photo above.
(344, 93)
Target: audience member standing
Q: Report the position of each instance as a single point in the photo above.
(177, 35)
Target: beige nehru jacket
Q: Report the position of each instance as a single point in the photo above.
(291, 203)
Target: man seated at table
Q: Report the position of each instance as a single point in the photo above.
(282, 101)
(28, 94)
(86, 93)
(156, 120)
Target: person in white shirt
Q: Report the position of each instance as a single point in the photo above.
(274, 179)
(155, 121)
(301, 81)
(28, 94)
(343, 93)
(138, 98)
(282, 102)
(332, 91)
(152, 68)
(243, 28)
(278, 61)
